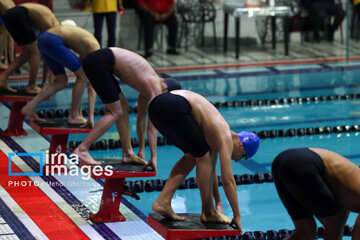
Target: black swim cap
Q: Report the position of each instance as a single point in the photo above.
(172, 84)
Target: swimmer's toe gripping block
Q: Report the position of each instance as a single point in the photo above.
(114, 189)
(59, 131)
(16, 119)
(191, 228)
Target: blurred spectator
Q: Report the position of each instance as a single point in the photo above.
(106, 9)
(155, 11)
(319, 11)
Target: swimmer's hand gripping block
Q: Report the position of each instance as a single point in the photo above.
(191, 228)
(16, 119)
(60, 130)
(114, 189)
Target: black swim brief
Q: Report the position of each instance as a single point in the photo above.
(298, 176)
(18, 24)
(98, 67)
(171, 115)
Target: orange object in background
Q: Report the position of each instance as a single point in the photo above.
(252, 3)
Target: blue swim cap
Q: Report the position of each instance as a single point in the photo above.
(172, 84)
(250, 141)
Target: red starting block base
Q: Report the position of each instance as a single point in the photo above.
(16, 119)
(191, 228)
(60, 130)
(114, 189)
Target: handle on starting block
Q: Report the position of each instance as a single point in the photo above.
(114, 189)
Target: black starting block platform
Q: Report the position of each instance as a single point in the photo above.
(114, 188)
(191, 228)
(59, 131)
(18, 96)
(16, 119)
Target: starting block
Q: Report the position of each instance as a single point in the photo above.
(60, 130)
(191, 228)
(16, 119)
(109, 210)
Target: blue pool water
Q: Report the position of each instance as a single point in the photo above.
(260, 205)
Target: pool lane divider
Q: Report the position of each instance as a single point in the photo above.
(61, 113)
(152, 185)
(105, 144)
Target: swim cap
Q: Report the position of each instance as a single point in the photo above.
(172, 84)
(250, 142)
(69, 22)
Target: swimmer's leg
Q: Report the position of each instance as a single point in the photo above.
(59, 83)
(18, 61)
(204, 177)
(75, 113)
(305, 229)
(123, 127)
(34, 62)
(334, 225)
(113, 111)
(182, 168)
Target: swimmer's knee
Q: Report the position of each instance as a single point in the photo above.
(60, 81)
(118, 112)
(115, 110)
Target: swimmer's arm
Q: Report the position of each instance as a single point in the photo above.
(141, 122)
(228, 180)
(152, 139)
(91, 103)
(356, 230)
(216, 194)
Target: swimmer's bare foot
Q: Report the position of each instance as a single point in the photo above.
(166, 210)
(3, 66)
(133, 159)
(85, 158)
(33, 89)
(141, 154)
(27, 111)
(6, 87)
(76, 120)
(214, 216)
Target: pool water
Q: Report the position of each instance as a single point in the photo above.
(260, 205)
